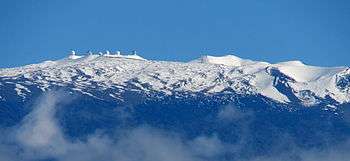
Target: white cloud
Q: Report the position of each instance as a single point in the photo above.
(39, 128)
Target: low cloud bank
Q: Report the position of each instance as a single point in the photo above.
(39, 137)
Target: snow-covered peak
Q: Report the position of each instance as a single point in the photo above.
(286, 82)
(229, 60)
(291, 63)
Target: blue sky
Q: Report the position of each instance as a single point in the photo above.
(315, 32)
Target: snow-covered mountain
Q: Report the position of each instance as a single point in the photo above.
(228, 107)
(289, 82)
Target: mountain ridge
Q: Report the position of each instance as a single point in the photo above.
(285, 82)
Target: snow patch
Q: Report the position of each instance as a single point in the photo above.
(20, 89)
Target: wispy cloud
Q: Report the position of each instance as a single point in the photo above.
(40, 136)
